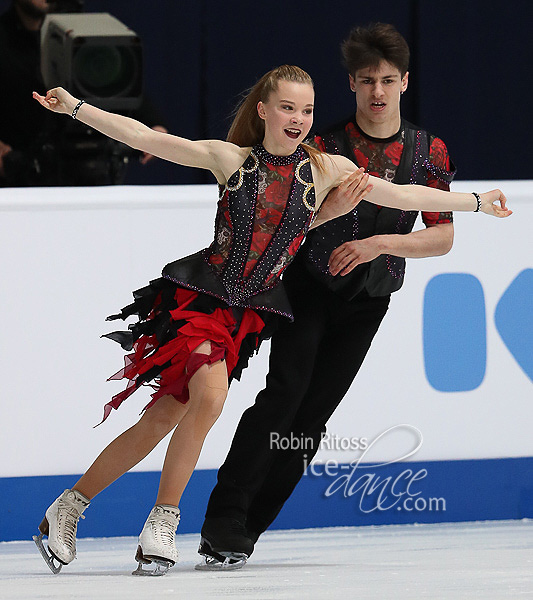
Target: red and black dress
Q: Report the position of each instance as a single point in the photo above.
(229, 293)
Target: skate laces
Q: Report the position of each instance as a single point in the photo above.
(68, 517)
(163, 523)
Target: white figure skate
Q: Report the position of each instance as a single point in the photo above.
(60, 524)
(157, 542)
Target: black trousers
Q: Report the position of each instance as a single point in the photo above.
(313, 362)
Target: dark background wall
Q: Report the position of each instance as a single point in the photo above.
(470, 73)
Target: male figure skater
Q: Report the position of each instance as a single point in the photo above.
(339, 287)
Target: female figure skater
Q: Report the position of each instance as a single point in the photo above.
(201, 321)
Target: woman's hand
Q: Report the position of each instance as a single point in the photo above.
(57, 100)
(489, 201)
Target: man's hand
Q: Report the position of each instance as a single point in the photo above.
(345, 258)
(350, 192)
(431, 241)
(344, 198)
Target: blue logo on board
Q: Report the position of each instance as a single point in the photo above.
(455, 329)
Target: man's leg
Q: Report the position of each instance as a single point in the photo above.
(340, 356)
(292, 360)
(292, 357)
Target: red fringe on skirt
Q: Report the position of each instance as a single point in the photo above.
(219, 327)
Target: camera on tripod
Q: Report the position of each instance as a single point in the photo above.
(98, 59)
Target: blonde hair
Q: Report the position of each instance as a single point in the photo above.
(247, 128)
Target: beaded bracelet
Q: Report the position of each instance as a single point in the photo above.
(478, 199)
(77, 108)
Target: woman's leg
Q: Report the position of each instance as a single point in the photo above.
(132, 446)
(61, 518)
(208, 389)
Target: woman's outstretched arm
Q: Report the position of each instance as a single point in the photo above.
(217, 156)
(419, 197)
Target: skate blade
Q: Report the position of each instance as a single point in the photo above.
(161, 565)
(48, 557)
(230, 563)
(161, 568)
(223, 561)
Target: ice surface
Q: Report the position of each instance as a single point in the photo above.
(489, 560)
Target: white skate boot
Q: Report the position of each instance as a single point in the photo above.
(60, 524)
(157, 542)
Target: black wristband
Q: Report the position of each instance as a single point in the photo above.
(77, 108)
(478, 199)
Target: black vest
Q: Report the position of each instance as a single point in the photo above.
(384, 274)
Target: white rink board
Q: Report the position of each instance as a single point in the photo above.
(71, 256)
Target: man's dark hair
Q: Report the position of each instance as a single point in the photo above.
(368, 46)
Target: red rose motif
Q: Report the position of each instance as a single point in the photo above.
(257, 247)
(319, 143)
(275, 190)
(360, 158)
(438, 154)
(352, 131)
(394, 152)
(261, 215)
(438, 184)
(436, 218)
(259, 242)
(293, 248)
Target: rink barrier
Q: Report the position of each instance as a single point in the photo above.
(400, 493)
(462, 380)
